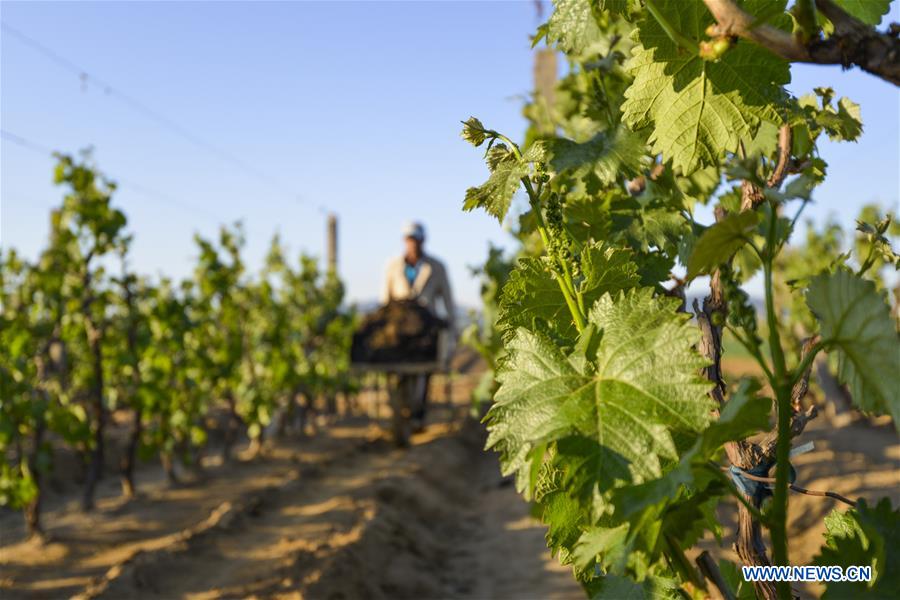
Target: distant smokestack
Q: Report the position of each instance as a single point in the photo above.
(332, 242)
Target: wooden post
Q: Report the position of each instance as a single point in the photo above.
(545, 77)
(332, 243)
(545, 71)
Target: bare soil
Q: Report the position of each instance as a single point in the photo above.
(344, 514)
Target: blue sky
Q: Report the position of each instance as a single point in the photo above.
(350, 107)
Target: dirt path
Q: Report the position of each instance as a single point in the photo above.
(344, 515)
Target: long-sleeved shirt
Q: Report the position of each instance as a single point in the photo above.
(429, 285)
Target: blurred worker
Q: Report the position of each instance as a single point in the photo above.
(418, 276)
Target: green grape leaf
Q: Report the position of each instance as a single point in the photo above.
(765, 142)
(658, 226)
(743, 415)
(607, 269)
(17, 486)
(679, 506)
(496, 155)
(719, 243)
(867, 11)
(742, 589)
(535, 402)
(606, 156)
(849, 121)
(607, 543)
(699, 110)
(495, 195)
(618, 7)
(532, 293)
(855, 321)
(700, 185)
(565, 519)
(842, 122)
(473, 131)
(573, 29)
(587, 218)
(637, 388)
(614, 587)
(654, 267)
(686, 521)
(652, 220)
(863, 536)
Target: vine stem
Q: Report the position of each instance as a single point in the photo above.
(782, 387)
(513, 146)
(609, 114)
(805, 363)
(754, 351)
(870, 260)
(676, 36)
(564, 280)
(574, 300)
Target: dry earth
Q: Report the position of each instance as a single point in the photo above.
(341, 515)
(345, 515)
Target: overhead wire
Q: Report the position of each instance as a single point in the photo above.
(87, 78)
(126, 183)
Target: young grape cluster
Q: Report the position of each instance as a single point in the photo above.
(560, 244)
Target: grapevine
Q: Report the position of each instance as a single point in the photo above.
(81, 343)
(610, 405)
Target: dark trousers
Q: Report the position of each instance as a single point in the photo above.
(418, 411)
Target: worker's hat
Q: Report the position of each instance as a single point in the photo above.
(414, 230)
